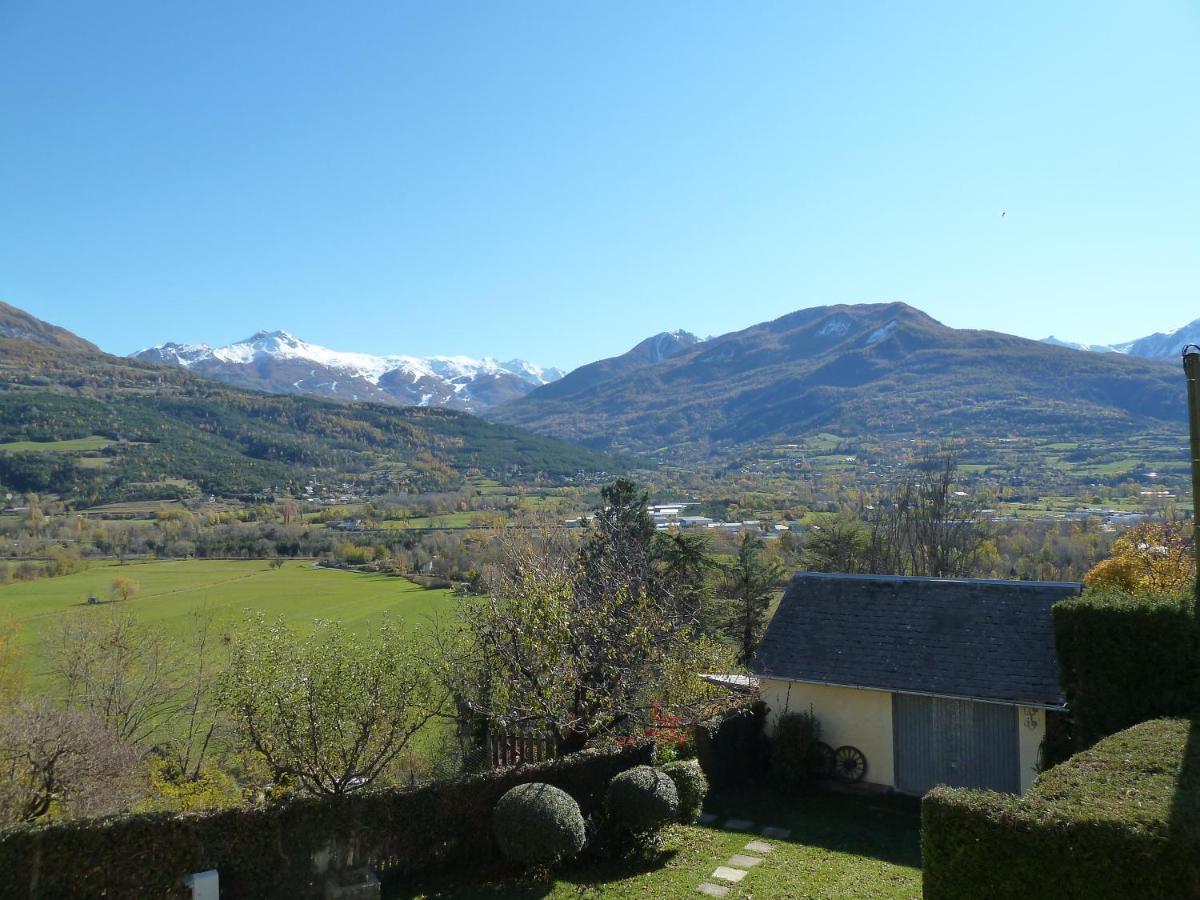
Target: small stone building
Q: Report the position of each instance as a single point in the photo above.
(936, 681)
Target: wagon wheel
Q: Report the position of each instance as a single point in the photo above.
(849, 765)
(821, 762)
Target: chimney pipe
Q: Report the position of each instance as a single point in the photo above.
(1191, 368)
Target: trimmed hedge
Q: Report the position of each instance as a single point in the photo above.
(733, 748)
(538, 823)
(1125, 659)
(1118, 822)
(642, 800)
(691, 785)
(267, 852)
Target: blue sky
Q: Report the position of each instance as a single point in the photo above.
(556, 181)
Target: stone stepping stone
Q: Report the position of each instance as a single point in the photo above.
(708, 889)
(725, 873)
(781, 833)
(741, 861)
(740, 825)
(759, 847)
(707, 819)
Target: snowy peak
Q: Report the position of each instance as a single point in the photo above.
(1075, 345)
(280, 362)
(1160, 345)
(665, 345)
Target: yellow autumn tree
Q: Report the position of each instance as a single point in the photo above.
(1151, 557)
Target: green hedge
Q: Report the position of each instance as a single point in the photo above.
(1118, 822)
(266, 852)
(733, 749)
(1125, 659)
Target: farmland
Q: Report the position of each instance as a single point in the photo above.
(170, 592)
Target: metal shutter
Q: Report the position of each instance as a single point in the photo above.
(954, 742)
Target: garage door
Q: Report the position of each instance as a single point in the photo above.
(954, 742)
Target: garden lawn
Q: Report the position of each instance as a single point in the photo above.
(840, 846)
(170, 592)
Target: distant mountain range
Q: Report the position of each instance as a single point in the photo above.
(882, 370)
(1160, 345)
(161, 432)
(280, 363)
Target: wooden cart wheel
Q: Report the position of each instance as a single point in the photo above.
(822, 761)
(849, 765)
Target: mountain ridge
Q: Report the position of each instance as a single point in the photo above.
(165, 432)
(884, 368)
(1160, 345)
(279, 362)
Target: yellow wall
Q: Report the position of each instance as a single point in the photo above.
(856, 716)
(863, 718)
(1031, 727)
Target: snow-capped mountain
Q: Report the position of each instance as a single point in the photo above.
(1160, 345)
(281, 363)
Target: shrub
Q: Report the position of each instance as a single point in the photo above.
(794, 751)
(642, 800)
(1118, 822)
(538, 824)
(691, 785)
(262, 852)
(732, 748)
(1126, 658)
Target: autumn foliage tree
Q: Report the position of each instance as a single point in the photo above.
(1151, 557)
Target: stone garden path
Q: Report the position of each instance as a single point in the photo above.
(739, 865)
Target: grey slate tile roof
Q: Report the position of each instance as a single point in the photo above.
(985, 640)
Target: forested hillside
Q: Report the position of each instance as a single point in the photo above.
(144, 431)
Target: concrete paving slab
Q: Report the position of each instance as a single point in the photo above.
(708, 889)
(738, 824)
(781, 833)
(725, 873)
(759, 847)
(741, 861)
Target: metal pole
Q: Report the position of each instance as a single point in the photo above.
(1191, 368)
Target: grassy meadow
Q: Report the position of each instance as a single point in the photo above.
(170, 592)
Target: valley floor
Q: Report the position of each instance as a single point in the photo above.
(171, 593)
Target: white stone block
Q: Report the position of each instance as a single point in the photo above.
(727, 874)
(204, 885)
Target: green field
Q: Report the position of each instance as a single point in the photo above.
(170, 592)
(73, 446)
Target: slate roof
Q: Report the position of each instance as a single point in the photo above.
(982, 640)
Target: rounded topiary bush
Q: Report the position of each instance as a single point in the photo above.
(642, 799)
(691, 785)
(538, 824)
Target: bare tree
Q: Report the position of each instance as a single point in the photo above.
(67, 760)
(924, 526)
(150, 691)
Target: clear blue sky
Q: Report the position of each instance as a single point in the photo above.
(558, 180)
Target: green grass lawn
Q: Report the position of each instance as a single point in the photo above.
(840, 847)
(170, 591)
(72, 446)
